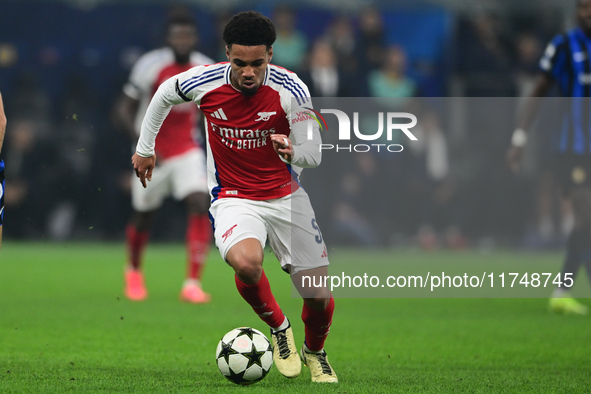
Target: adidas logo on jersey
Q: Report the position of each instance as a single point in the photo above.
(219, 114)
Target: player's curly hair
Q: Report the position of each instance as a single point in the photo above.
(250, 28)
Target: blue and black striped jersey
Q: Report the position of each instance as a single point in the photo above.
(567, 60)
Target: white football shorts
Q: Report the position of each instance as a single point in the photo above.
(177, 177)
(288, 223)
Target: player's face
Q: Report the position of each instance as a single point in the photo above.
(249, 64)
(182, 39)
(584, 15)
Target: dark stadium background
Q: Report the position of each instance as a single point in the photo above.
(62, 64)
(65, 323)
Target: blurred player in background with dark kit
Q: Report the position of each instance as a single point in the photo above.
(567, 62)
(257, 141)
(181, 172)
(2, 131)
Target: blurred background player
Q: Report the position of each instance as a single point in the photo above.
(567, 62)
(2, 131)
(181, 172)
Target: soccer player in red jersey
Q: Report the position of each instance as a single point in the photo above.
(259, 137)
(182, 170)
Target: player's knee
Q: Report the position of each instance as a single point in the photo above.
(247, 271)
(246, 258)
(197, 203)
(248, 266)
(143, 220)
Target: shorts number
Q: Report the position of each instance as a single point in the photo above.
(318, 237)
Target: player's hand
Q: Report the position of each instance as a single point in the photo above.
(514, 155)
(282, 146)
(143, 167)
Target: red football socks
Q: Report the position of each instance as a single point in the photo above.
(198, 241)
(317, 324)
(136, 244)
(262, 301)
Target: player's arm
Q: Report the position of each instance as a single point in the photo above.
(124, 115)
(552, 65)
(144, 158)
(302, 148)
(307, 140)
(542, 85)
(168, 94)
(298, 150)
(530, 108)
(140, 84)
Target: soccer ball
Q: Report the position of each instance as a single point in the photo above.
(244, 355)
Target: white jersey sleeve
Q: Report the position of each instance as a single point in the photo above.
(305, 132)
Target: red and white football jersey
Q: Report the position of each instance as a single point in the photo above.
(179, 130)
(241, 160)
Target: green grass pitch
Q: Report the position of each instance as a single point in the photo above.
(65, 326)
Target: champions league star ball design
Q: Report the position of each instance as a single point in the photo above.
(244, 355)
